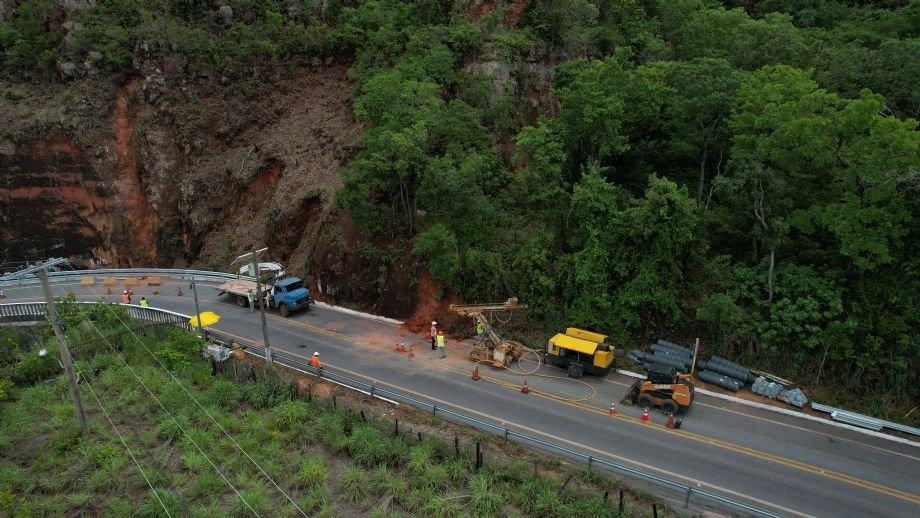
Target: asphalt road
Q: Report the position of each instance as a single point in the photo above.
(789, 466)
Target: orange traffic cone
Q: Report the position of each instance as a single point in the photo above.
(645, 418)
(613, 410)
(411, 354)
(525, 389)
(156, 291)
(671, 421)
(179, 292)
(476, 372)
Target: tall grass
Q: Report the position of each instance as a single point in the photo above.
(484, 502)
(354, 485)
(445, 506)
(151, 507)
(289, 414)
(312, 472)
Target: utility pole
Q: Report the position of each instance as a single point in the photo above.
(197, 310)
(254, 259)
(66, 359)
(696, 349)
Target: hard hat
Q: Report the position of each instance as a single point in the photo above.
(126, 291)
(315, 354)
(434, 323)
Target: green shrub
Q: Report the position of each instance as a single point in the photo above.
(590, 508)
(458, 469)
(420, 457)
(153, 505)
(257, 500)
(119, 507)
(312, 472)
(316, 498)
(193, 460)
(170, 429)
(446, 506)
(290, 413)
(6, 389)
(260, 394)
(206, 484)
(484, 501)
(354, 485)
(32, 368)
(225, 394)
(417, 498)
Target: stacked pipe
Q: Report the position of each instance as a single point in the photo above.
(722, 366)
(720, 380)
(725, 374)
(664, 353)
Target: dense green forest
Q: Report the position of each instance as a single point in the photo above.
(747, 172)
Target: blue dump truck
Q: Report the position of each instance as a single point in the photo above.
(288, 294)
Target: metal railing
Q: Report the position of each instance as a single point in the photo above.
(35, 311)
(122, 273)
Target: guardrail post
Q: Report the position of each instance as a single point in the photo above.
(687, 501)
(434, 410)
(590, 460)
(373, 386)
(506, 434)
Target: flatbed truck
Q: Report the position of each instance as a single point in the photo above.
(286, 294)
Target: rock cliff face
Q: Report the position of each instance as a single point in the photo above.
(155, 170)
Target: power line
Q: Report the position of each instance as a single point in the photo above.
(125, 444)
(203, 409)
(176, 421)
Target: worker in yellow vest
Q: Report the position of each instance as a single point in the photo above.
(441, 352)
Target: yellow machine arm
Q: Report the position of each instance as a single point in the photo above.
(497, 348)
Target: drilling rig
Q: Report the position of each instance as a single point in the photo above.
(490, 347)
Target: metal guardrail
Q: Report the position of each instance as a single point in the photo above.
(36, 310)
(864, 421)
(122, 273)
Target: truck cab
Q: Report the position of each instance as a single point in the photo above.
(289, 295)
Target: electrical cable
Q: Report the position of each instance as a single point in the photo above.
(200, 406)
(125, 444)
(176, 421)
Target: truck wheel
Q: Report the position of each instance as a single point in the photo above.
(670, 406)
(283, 309)
(242, 301)
(645, 401)
(576, 370)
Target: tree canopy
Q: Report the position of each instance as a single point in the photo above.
(747, 172)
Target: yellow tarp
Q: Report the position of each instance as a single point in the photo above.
(586, 335)
(574, 344)
(87, 281)
(208, 318)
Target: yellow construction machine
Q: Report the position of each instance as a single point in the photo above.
(489, 346)
(579, 351)
(664, 387)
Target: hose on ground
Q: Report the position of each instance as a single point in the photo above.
(533, 372)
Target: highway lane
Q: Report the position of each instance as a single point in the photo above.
(801, 466)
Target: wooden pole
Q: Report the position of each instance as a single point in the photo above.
(696, 349)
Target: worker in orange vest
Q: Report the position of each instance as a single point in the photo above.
(125, 298)
(434, 333)
(314, 362)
